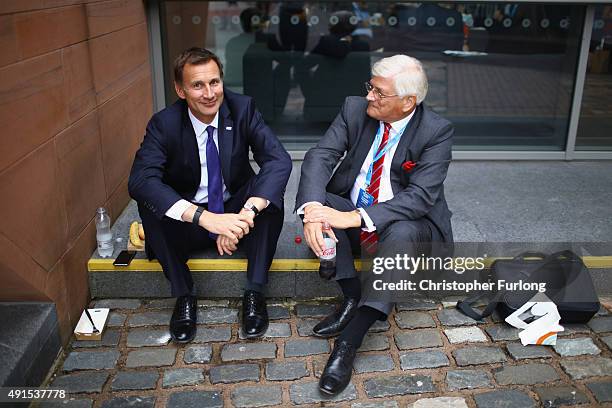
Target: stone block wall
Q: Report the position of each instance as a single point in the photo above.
(75, 97)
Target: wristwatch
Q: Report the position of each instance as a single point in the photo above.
(251, 207)
(197, 214)
(363, 224)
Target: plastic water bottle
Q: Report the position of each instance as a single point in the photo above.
(327, 268)
(103, 233)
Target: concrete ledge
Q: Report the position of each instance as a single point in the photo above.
(29, 344)
(278, 265)
(129, 284)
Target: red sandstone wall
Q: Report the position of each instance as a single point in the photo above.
(75, 96)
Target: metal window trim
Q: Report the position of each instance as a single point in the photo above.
(156, 55)
(592, 155)
(583, 56)
(157, 82)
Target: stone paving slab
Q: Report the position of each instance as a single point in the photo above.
(466, 379)
(182, 376)
(135, 380)
(415, 339)
(414, 320)
(233, 373)
(148, 337)
(308, 393)
(557, 396)
(257, 396)
(525, 374)
(248, 351)
(213, 334)
(601, 390)
(519, 352)
(465, 335)
(91, 360)
(370, 363)
(446, 402)
(285, 371)
(184, 399)
(424, 355)
(131, 401)
(504, 398)
(89, 381)
(423, 359)
(198, 354)
(151, 358)
(374, 342)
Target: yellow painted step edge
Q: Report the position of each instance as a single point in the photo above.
(278, 265)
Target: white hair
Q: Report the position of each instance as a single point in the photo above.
(407, 73)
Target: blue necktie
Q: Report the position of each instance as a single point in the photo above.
(215, 181)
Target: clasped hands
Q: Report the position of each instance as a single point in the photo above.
(229, 227)
(316, 215)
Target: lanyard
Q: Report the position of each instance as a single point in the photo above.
(382, 152)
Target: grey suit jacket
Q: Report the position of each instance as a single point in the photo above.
(427, 141)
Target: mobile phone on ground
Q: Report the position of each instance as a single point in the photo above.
(124, 258)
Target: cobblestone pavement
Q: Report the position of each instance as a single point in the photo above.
(426, 355)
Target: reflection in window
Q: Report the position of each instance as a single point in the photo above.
(595, 125)
(503, 73)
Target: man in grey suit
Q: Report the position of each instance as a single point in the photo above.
(388, 188)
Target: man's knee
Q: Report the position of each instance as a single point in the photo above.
(338, 202)
(407, 231)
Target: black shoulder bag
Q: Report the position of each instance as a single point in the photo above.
(568, 284)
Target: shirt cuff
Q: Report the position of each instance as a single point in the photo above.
(176, 211)
(370, 227)
(300, 211)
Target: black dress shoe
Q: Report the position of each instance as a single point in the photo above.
(254, 314)
(339, 367)
(333, 324)
(184, 319)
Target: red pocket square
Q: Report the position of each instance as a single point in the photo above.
(408, 166)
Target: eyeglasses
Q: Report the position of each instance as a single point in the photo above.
(369, 88)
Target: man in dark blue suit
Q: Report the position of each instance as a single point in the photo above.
(195, 187)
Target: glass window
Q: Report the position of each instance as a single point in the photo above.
(503, 73)
(595, 125)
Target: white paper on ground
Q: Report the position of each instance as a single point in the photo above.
(544, 329)
(99, 318)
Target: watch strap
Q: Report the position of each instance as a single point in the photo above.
(363, 224)
(197, 215)
(252, 207)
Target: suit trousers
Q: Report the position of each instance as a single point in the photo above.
(416, 237)
(172, 242)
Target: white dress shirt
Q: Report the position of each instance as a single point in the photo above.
(385, 192)
(201, 196)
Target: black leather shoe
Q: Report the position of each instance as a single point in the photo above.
(333, 324)
(184, 319)
(338, 370)
(254, 314)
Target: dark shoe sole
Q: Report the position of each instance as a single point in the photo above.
(327, 392)
(325, 336)
(174, 339)
(256, 335)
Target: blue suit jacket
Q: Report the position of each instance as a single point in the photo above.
(167, 167)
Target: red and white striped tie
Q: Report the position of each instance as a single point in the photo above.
(369, 240)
